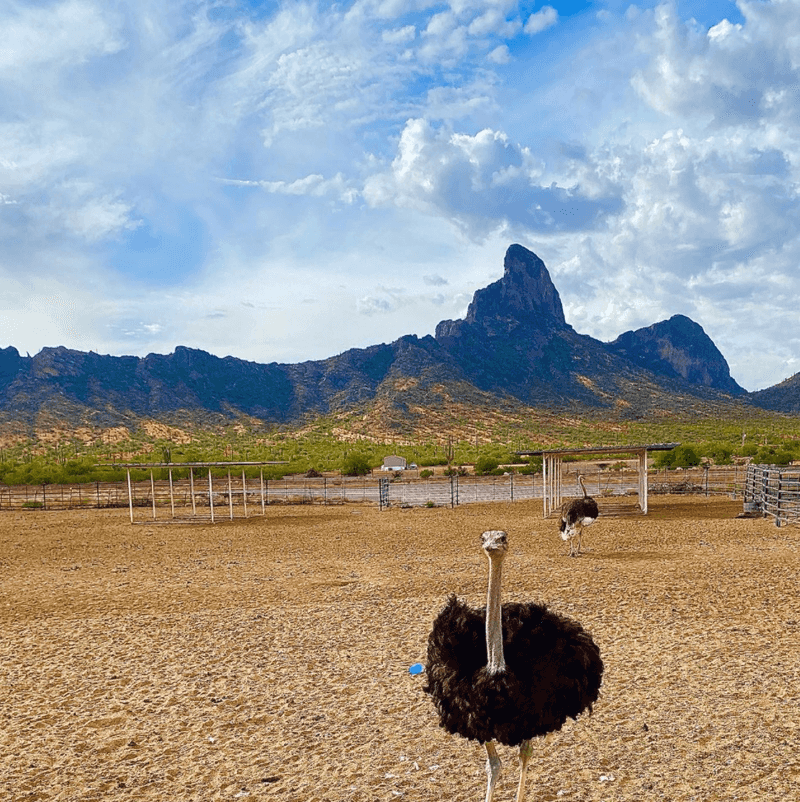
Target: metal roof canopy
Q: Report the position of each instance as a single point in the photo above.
(552, 461)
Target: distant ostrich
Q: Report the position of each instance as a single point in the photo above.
(575, 515)
(537, 669)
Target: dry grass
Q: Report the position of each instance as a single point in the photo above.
(268, 659)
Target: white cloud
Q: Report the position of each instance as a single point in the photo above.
(493, 21)
(400, 36)
(500, 55)
(723, 29)
(63, 33)
(541, 20)
(482, 183)
(314, 185)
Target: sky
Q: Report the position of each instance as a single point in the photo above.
(283, 181)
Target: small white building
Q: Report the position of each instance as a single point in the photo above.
(393, 464)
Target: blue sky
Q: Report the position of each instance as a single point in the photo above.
(282, 181)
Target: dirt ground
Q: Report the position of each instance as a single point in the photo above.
(268, 658)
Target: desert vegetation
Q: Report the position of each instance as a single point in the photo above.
(326, 445)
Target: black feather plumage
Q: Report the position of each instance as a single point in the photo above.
(553, 672)
(578, 509)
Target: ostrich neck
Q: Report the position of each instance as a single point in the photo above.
(494, 620)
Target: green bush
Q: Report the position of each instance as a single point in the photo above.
(720, 453)
(684, 456)
(356, 465)
(534, 466)
(770, 455)
(425, 474)
(486, 464)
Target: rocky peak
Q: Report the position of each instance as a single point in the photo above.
(679, 348)
(525, 295)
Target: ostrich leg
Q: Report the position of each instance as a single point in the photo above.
(493, 769)
(525, 752)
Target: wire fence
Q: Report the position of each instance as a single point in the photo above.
(773, 491)
(240, 497)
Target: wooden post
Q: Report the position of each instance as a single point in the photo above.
(171, 496)
(560, 475)
(130, 494)
(244, 493)
(230, 494)
(545, 474)
(191, 490)
(153, 491)
(263, 509)
(211, 495)
(643, 488)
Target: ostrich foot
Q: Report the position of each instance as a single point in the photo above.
(525, 752)
(493, 769)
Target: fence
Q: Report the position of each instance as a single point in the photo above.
(773, 491)
(186, 499)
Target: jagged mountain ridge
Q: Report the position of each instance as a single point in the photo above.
(513, 344)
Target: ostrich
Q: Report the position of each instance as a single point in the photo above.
(536, 670)
(575, 515)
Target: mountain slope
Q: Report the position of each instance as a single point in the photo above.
(783, 397)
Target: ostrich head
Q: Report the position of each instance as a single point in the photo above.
(494, 544)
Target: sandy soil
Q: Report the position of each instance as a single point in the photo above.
(268, 659)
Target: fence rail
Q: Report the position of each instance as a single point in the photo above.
(773, 492)
(236, 496)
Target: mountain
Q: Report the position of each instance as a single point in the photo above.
(783, 397)
(678, 347)
(513, 347)
(515, 340)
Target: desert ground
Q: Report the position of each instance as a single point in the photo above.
(269, 658)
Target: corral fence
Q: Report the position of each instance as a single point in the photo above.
(773, 491)
(236, 497)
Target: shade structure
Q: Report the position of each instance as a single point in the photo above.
(552, 469)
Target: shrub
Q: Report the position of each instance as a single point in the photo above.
(425, 474)
(769, 455)
(720, 453)
(356, 465)
(485, 465)
(685, 457)
(534, 466)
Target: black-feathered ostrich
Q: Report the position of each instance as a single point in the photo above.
(575, 515)
(536, 669)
